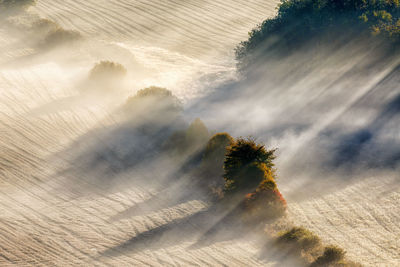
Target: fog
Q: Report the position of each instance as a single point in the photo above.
(88, 175)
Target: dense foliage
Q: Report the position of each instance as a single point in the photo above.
(60, 37)
(161, 96)
(190, 141)
(16, 3)
(331, 257)
(245, 164)
(266, 202)
(299, 21)
(105, 69)
(299, 239)
(212, 169)
(154, 104)
(249, 173)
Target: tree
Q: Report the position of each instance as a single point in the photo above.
(212, 167)
(107, 69)
(190, 141)
(155, 98)
(301, 22)
(266, 202)
(216, 149)
(17, 4)
(154, 104)
(246, 164)
(59, 37)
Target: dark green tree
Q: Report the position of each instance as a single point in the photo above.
(212, 167)
(16, 4)
(332, 254)
(245, 164)
(300, 22)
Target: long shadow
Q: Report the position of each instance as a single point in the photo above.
(362, 146)
(220, 222)
(183, 190)
(270, 252)
(173, 233)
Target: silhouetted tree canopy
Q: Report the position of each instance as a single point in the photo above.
(104, 69)
(44, 25)
(332, 254)
(266, 202)
(16, 3)
(60, 36)
(189, 141)
(214, 154)
(212, 167)
(154, 104)
(298, 21)
(299, 238)
(246, 163)
(161, 97)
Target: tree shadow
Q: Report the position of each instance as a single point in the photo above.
(364, 146)
(270, 252)
(174, 193)
(218, 223)
(172, 233)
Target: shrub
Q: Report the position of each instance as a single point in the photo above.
(214, 153)
(213, 161)
(216, 148)
(331, 256)
(266, 202)
(154, 104)
(246, 164)
(189, 141)
(60, 37)
(107, 69)
(105, 77)
(154, 91)
(299, 239)
(162, 98)
(197, 133)
(44, 25)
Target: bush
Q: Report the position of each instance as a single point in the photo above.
(60, 37)
(154, 104)
(214, 153)
(212, 170)
(189, 141)
(106, 70)
(332, 256)
(216, 149)
(299, 239)
(162, 98)
(197, 134)
(44, 25)
(246, 164)
(266, 202)
(105, 77)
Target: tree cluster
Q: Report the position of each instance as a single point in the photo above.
(299, 21)
(249, 171)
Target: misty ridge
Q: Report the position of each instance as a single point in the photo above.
(314, 106)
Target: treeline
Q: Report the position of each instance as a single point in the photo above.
(16, 4)
(300, 22)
